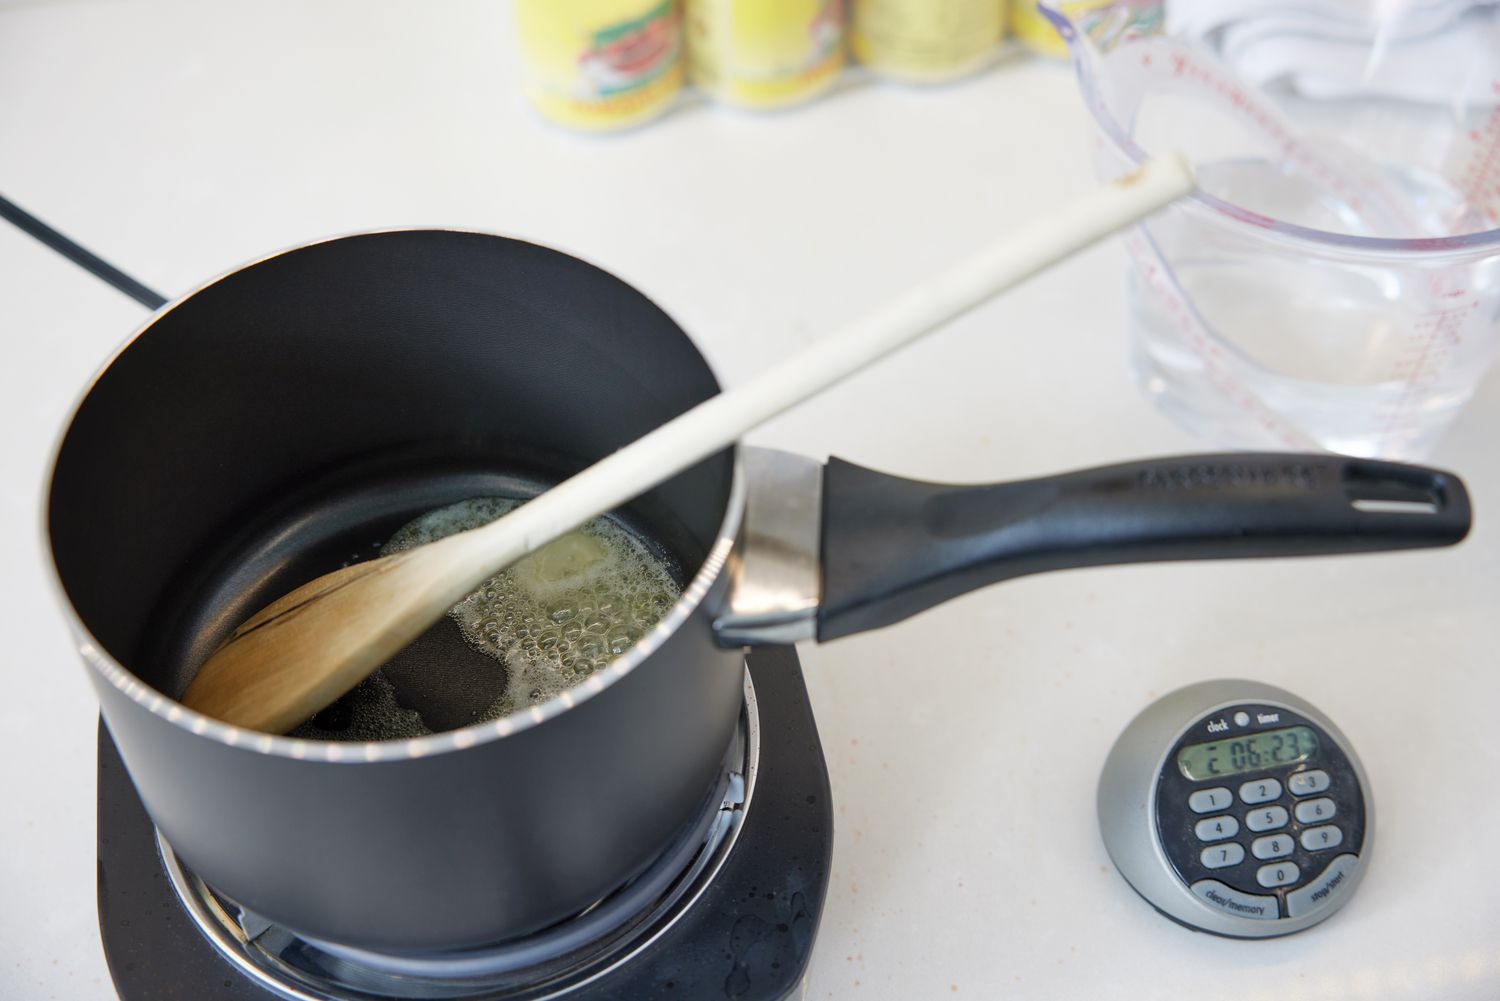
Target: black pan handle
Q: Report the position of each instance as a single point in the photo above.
(892, 547)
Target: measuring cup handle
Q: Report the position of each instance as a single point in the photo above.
(892, 547)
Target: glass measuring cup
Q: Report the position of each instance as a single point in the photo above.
(1335, 281)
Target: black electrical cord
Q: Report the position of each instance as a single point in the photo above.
(33, 226)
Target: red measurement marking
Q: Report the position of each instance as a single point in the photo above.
(1357, 192)
(1479, 173)
(1245, 215)
(1205, 347)
(1427, 354)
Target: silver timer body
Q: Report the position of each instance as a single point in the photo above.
(1219, 767)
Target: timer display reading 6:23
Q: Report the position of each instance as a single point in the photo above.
(1248, 753)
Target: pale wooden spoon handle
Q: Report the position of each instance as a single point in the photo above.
(308, 648)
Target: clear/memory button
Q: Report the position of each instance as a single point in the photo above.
(1231, 901)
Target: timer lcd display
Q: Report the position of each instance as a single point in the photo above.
(1250, 753)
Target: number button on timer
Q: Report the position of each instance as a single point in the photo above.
(1309, 782)
(1279, 874)
(1317, 838)
(1260, 791)
(1310, 811)
(1222, 856)
(1216, 828)
(1272, 818)
(1272, 846)
(1209, 800)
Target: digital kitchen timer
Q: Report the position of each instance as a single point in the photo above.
(1237, 808)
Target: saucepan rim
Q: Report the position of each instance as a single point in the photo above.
(354, 752)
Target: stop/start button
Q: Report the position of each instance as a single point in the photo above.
(1331, 883)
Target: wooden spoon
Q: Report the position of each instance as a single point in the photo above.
(306, 649)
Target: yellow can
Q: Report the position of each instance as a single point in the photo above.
(600, 64)
(764, 53)
(925, 41)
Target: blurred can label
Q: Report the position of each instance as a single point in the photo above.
(925, 41)
(1037, 33)
(600, 64)
(764, 53)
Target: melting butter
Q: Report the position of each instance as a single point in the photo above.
(549, 621)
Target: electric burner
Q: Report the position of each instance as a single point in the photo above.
(729, 909)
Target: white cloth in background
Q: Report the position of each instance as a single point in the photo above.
(1434, 51)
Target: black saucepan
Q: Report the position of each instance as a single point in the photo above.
(288, 416)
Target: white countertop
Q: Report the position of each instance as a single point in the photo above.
(177, 139)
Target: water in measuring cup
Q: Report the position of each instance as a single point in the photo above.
(1363, 357)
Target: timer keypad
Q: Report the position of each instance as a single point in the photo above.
(1293, 817)
(1271, 818)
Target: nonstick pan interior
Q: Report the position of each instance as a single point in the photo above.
(345, 518)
